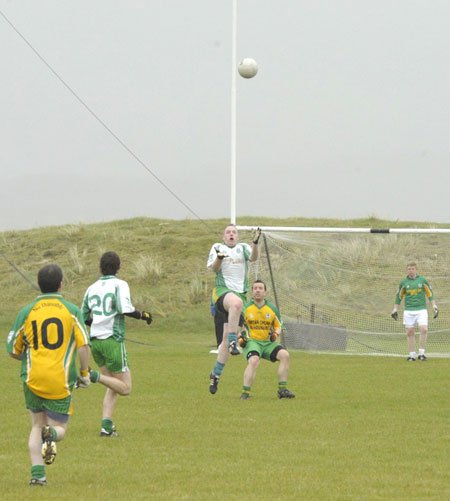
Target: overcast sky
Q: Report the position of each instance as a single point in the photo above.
(348, 116)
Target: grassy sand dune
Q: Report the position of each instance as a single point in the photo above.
(359, 428)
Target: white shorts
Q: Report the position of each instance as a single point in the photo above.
(417, 317)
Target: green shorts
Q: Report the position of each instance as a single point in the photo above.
(221, 291)
(59, 410)
(110, 353)
(265, 349)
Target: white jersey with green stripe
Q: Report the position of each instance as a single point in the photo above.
(107, 299)
(233, 272)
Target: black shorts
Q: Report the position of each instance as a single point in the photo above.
(224, 312)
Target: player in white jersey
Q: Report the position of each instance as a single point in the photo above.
(105, 304)
(229, 260)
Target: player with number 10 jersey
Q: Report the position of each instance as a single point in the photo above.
(48, 332)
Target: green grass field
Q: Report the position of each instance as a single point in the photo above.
(360, 427)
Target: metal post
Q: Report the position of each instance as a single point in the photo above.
(313, 313)
(270, 271)
(233, 114)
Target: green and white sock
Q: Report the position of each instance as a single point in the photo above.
(94, 375)
(107, 425)
(55, 435)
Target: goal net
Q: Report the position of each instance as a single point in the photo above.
(335, 288)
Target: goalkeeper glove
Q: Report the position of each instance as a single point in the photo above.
(147, 316)
(83, 381)
(221, 255)
(394, 314)
(273, 336)
(243, 338)
(436, 311)
(88, 322)
(242, 341)
(256, 233)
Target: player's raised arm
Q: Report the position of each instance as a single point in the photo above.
(256, 234)
(216, 257)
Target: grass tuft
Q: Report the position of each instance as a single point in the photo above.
(198, 290)
(78, 267)
(147, 267)
(73, 230)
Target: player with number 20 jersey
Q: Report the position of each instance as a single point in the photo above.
(108, 299)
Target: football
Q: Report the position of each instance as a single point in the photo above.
(248, 68)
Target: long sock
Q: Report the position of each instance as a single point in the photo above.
(246, 389)
(282, 385)
(218, 368)
(55, 435)
(38, 471)
(232, 336)
(421, 351)
(107, 425)
(95, 376)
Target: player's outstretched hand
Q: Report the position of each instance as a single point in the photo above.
(394, 314)
(436, 312)
(83, 381)
(147, 316)
(256, 233)
(221, 255)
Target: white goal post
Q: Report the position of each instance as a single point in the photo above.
(335, 287)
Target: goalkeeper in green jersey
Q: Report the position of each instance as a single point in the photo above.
(264, 325)
(415, 289)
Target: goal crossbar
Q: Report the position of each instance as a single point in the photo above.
(327, 229)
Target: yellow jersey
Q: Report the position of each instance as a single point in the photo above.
(47, 333)
(261, 320)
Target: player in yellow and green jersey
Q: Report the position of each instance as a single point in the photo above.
(264, 328)
(415, 290)
(45, 337)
